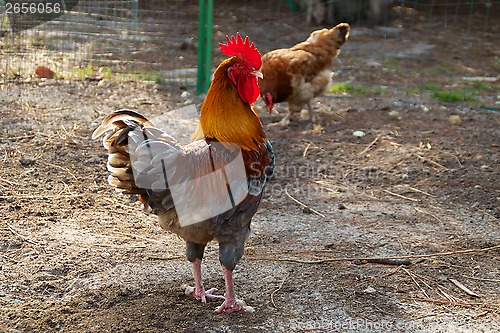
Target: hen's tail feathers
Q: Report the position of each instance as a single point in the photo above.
(343, 30)
(325, 39)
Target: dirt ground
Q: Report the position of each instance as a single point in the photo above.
(77, 257)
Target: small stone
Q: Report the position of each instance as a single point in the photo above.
(395, 114)
(26, 161)
(359, 134)
(370, 290)
(185, 94)
(455, 119)
(424, 108)
(306, 210)
(105, 255)
(94, 160)
(342, 206)
(478, 186)
(85, 306)
(249, 251)
(44, 72)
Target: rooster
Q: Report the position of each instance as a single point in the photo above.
(210, 188)
(302, 72)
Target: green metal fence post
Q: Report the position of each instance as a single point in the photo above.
(204, 46)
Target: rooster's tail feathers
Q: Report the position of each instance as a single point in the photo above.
(118, 125)
(119, 119)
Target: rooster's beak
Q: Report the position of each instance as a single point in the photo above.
(257, 73)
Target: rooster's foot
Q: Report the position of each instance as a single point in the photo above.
(234, 305)
(201, 294)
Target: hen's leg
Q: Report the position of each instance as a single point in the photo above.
(194, 253)
(284, 122)
(312, 116)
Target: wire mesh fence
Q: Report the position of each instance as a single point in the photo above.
(157, 40)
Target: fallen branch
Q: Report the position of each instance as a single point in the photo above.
(15, 138)
(393, 262)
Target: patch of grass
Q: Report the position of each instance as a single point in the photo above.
(340, 87)
(439, 69)
(478, 85)
(382, 90)
(81, 73)
(457, 94)
(151, 76)
(356, 90)
(105, 72)
(393, 64)
(431, 86)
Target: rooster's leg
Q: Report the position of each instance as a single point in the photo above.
(194, 253)
(231, 304)
(198, 291)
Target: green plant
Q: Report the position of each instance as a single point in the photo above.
(151, 76)
(478, 85)
(456, 95)
(357, 90)
(81, 73)
(340, 87)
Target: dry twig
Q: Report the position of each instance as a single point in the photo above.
(428, 160)
(307, 148)
(62, 168)
(369, 145)
(276, 290)
(303, 205)
(402, 196)
(456, 303)
(321, 261)
(427, 213)
(416, 282)
(24, 238)
(482, 279)
(464, 288)
(417, 190)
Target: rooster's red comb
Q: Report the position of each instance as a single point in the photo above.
(242, 49)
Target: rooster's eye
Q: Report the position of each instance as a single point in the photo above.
(239, 66)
